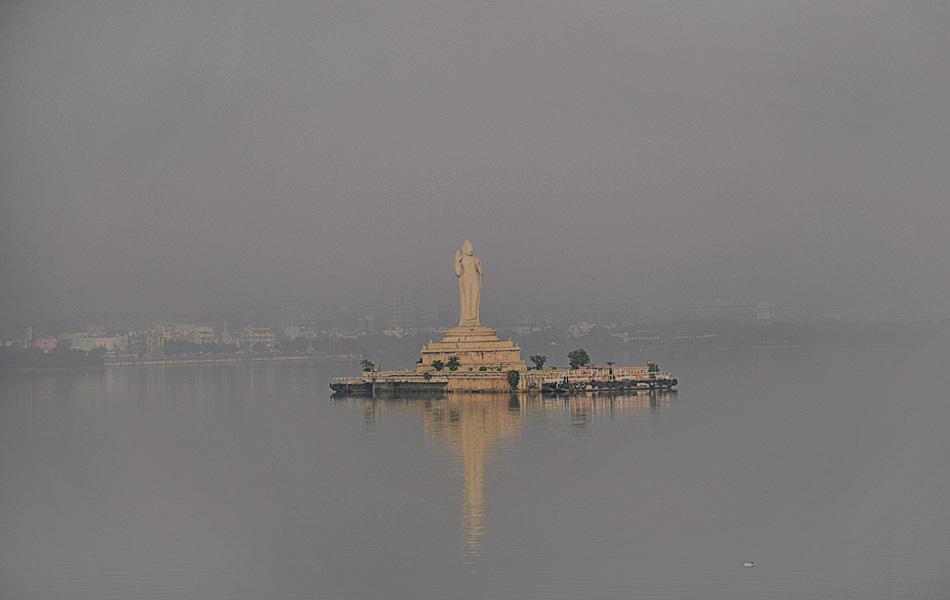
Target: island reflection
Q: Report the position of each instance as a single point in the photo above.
(475, 426)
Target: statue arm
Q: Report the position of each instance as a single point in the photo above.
(458, 263)
(478, 267)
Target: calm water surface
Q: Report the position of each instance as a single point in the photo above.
(826, 467)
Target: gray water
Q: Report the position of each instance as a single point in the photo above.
(826, 467)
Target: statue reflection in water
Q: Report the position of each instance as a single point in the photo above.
(476, 426)
(473, 426)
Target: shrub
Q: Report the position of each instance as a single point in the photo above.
(579, 358)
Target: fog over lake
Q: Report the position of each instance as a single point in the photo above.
(162, 156)
(825, 467)
(755, 195)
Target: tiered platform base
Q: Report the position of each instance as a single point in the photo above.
(476, 347)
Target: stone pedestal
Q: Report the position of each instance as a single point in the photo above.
(476, 347)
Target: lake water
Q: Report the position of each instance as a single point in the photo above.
(829, 468)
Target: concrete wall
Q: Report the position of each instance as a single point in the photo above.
(485, 382)
(459, 381)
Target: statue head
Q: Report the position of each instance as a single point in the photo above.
(468, 248)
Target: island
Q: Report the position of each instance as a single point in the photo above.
(471, 358)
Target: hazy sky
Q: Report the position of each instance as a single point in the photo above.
(172, 155)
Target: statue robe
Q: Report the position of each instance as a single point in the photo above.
(468, 269)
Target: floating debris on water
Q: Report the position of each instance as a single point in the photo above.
(748, 564)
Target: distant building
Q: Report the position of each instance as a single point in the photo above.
(113, 343)
(203, 334)
(293, 317)
(46, 344)
(400, 311)
(183, 331)
(764, 311)
(251, 335)
(88, 341)
(84, 342)
(155, 342)
(580, 329)
(368, 324)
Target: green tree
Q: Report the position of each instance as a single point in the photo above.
(579, 358)
(454, 363)
(538, 361)
(652, 367)
(483, 368)
(437, 365)
(611, 363)
(513, 378)
(367, 365)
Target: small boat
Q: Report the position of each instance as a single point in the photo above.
(391, 385)
(609, 379)
(354, 386)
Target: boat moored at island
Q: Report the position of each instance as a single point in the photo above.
(602, 379)
(389, 383)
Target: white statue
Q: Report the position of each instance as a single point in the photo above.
(469, 271)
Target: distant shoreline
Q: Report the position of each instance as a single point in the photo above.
(192, 360)
(172, 360)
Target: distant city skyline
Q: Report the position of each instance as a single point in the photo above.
(404, 313)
